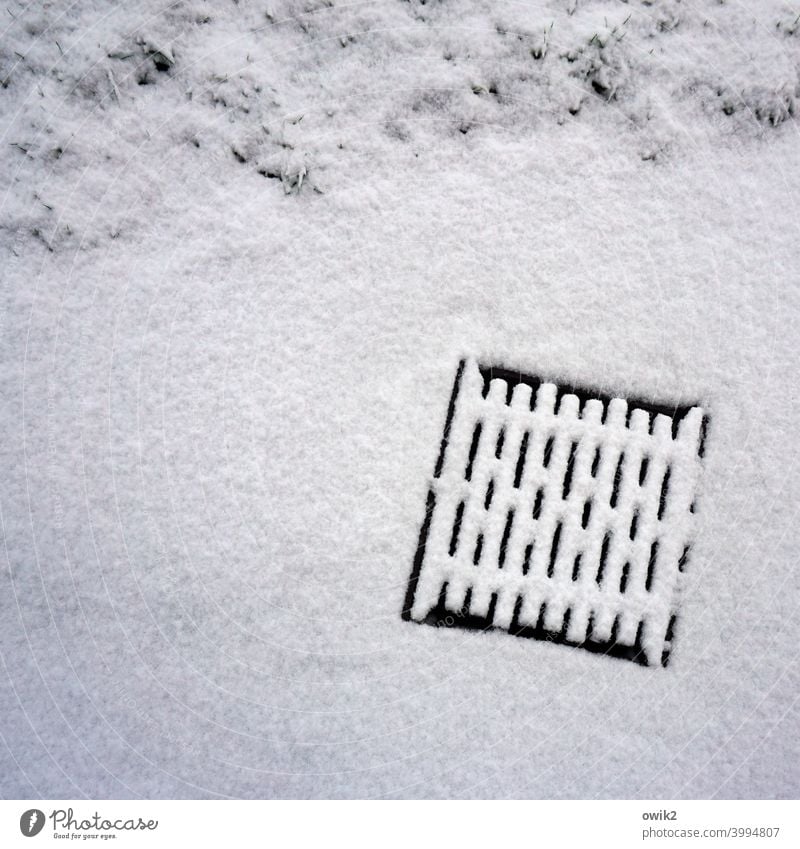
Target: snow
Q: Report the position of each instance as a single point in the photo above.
(234, 299)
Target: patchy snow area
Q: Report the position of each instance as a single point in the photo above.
(244, 247)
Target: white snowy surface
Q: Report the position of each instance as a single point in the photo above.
(234, 298)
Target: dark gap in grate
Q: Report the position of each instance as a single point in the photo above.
(569, 471)
(651, 565)
(443, 595)
(576, 567)
(643, 471)
(542, 616)
(623, 580)
(595, 462)
(640, 632)
(617, 480)
(501, 558)
(476, 557)
(419, 556)
(587, 512)
(548, 452)
(701, 448)
(554, 550)
(634, 524)
(537, 504)
(487, 501)
(473, 450)
(669, 637)
(603, 557)
(523, 450)
(526, 562)
(662, 499)
(684, 559)
(449, 420)
(500, 440)
(565, 623)
(456, 528)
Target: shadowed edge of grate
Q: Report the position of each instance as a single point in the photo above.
(441, 616)
(676, 412)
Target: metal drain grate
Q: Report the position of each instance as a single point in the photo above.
(559, 513)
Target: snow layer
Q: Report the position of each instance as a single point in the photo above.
(245, 247)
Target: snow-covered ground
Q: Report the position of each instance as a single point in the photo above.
(244, 247)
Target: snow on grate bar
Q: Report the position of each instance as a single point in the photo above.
(559, 513)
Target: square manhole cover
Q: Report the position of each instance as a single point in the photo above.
(559, 513)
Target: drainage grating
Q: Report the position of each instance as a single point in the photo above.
(559, 513)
